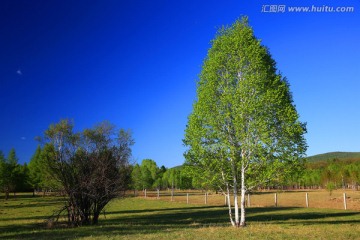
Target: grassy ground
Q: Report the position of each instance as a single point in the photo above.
(138, 218)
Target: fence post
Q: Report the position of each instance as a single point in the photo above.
(307, 200)
(158, 194)
(187, 198)
(276, 200)
(172, 194)
(205, 197)
(345, 207)
(249, 203)
(145, 193)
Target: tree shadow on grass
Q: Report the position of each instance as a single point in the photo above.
(26, 195)
(177, 217)
(131, 222)
(32, 218)
(218, 216)
(26, 200)
(41, 203)
(283, 214)
(162, 210)
(128, 223)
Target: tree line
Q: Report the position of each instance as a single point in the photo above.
(14, 177)
(148, 175)
(332, 174)
(35, 176)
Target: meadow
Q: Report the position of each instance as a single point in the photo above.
(24, 217)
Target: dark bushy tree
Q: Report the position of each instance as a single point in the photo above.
(92, 167)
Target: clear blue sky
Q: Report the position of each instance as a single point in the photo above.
(135, 63)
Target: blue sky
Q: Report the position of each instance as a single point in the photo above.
(136, 63)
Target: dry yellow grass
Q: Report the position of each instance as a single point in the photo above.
(317, 198)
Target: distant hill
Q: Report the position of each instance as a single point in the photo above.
(180, 167)
(318, 158)
(332, 155)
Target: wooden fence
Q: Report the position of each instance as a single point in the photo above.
(312, 199)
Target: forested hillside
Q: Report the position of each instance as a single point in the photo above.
(332, 170)
(334, 155)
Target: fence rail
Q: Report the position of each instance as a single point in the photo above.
(339, 199)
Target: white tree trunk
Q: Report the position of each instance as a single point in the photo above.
(236, 204)
(243, 194)
(229, 205)
(235, 191)
(228, 198)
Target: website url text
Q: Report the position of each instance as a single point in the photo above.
(308, 9)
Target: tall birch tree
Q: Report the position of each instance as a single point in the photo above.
(244, 130)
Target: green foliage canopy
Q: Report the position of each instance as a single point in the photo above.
(244, 130)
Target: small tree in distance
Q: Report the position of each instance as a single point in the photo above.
(244, 130)
(10, 173)
(92, 167)
(40, 176)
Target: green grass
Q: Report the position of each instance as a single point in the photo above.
(136, 218)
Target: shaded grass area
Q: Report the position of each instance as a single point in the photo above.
(136, 218)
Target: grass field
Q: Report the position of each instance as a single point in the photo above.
(138, 218)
